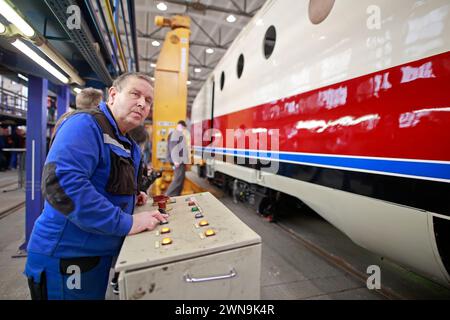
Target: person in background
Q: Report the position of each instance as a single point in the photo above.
(147, 152)
(178, 155)
(90, 188)
(51, 109)
(88, 98)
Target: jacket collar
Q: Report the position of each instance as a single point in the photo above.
(104, 107)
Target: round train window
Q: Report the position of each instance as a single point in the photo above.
(269, 41)
(319, 10)
(222, 80)
(240, 66)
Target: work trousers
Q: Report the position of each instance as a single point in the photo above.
(51, 278)
(176, 186)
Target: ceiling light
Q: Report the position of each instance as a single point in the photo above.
(162, 6)
(40, 61)
(153, 65)
(77, 90)
(188, 82)
(2, 28)
(197, 70)
(209, 50)
(155, 43)
(12, 16)
(21, 76)
(61, 63)
(231, 18)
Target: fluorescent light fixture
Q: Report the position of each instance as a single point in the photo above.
(209, 50)
(188, 82)
(161, 6)
(153, 65)
(155, 43)
(40, 61)
(197, 70)
(21, 76)
(77, 90)
(61, 63)
(231, 18)
(12, 16)
(2, 28)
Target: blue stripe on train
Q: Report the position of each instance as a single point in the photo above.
(403, 167)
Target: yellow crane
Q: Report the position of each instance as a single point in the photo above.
(170, 100)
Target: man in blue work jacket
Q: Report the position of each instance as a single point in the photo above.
(90, 184)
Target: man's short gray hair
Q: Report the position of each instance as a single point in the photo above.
(118, 82)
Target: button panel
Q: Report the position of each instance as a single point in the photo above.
(191, 205)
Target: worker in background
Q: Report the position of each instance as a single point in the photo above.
(90, 188)
(178, 155)
(4, 160)
(88, 98)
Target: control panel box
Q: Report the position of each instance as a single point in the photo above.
(204, 252)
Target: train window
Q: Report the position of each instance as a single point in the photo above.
(222, 80)
(269, 41)
(240, 66)
(319, 10)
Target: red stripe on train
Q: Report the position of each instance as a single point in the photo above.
(401, 112)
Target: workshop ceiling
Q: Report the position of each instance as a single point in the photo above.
(209, 30)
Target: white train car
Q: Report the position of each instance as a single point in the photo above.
(357, 95)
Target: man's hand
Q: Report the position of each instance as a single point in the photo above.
(142, 199)
(147, 220)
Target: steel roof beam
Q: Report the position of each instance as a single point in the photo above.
(196, 7)
(82, 38)
(148, 37)
(190, 65)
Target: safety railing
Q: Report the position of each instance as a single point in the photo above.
(13, 103)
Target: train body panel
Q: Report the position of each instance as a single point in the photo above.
(361, 112)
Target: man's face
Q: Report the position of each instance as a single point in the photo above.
(131, 105)
(180, 127)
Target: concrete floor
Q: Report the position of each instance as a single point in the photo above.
(292, 271)
(13, 284)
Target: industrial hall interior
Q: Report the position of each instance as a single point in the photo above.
(260, 150)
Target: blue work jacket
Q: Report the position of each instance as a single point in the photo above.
(89, 184)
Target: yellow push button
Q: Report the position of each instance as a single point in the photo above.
(209, 232)
(203, 223)
(165, 230)
(166, 241)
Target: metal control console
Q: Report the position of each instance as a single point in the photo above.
(204, 252)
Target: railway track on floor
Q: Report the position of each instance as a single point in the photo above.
(15, 207)
(12, 209)
(7, 184)
(338, 262)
